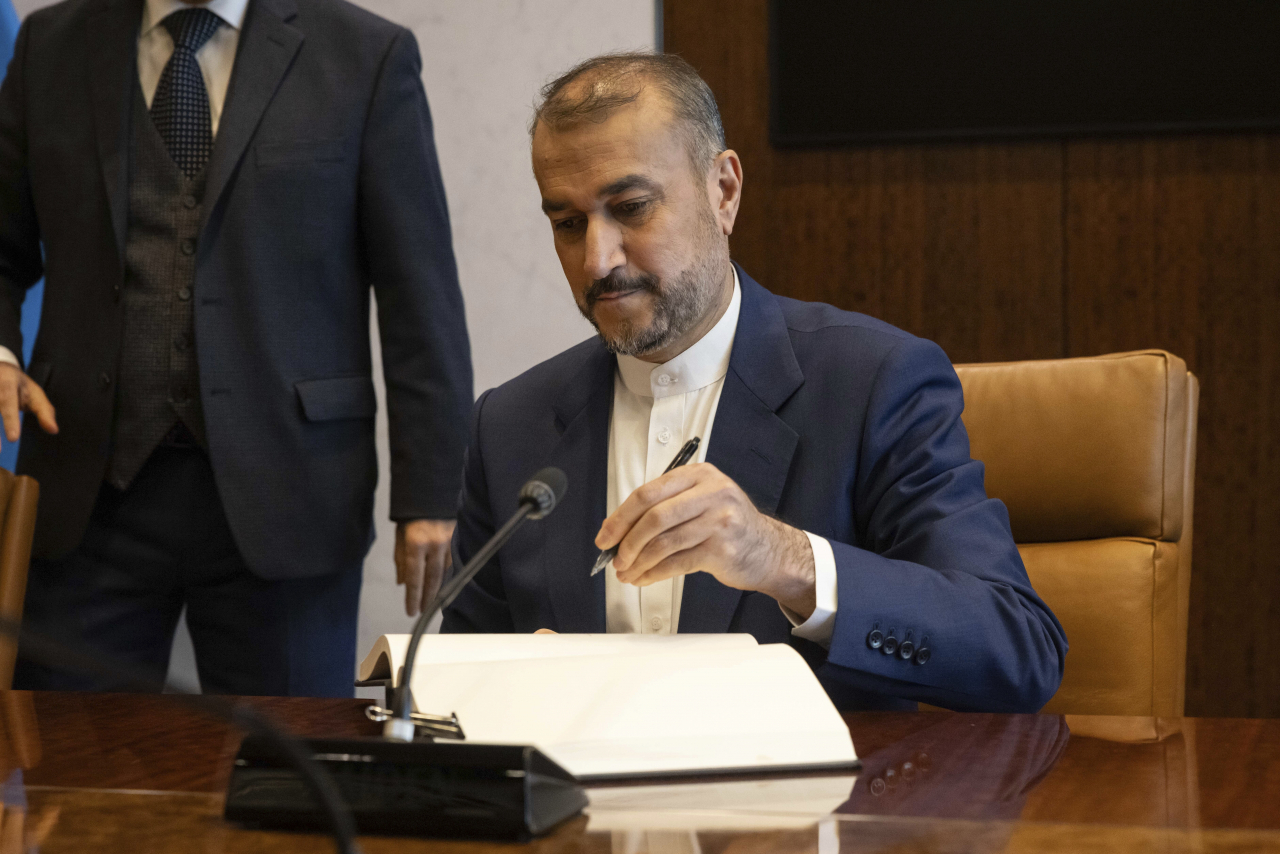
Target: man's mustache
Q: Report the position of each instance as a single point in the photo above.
(617, 283)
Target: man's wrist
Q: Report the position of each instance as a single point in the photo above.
(790, 576)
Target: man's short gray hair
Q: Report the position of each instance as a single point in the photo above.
(617, 79)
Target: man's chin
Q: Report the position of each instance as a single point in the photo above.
(631, 342)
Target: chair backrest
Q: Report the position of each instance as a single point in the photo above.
(1095, 459)
(18, 498)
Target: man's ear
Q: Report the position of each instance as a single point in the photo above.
(724, 185)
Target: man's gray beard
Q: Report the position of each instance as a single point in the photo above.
(682, 302)
(678, 305)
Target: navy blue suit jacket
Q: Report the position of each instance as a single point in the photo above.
(837, 424)
(322, 187)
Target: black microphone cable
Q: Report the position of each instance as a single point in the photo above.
(84, 659)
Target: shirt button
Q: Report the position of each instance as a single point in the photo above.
(188, 247)
(184, 294)
(664, 380)
(664, 437)
(655, 623)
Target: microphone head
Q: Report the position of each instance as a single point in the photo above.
(544, 491)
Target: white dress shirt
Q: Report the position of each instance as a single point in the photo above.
(656, 409)
(215, 59)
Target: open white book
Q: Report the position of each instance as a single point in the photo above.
(613, 706)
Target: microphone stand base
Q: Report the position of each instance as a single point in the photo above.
(452, 790)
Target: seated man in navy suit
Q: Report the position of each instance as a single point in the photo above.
(833, 504)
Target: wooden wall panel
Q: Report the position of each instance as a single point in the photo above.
(1040, 250)
(961, 244)
(1175, 243)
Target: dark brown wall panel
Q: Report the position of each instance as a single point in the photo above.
(961, 244)
(1048, 249)
(1175, 243)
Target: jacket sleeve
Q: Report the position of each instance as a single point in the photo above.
(404, 228)
(482, 604)
(21, 263)
(937, 562)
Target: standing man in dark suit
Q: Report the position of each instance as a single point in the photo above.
(833, 504)
(211, 190)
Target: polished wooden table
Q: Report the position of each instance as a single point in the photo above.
(127, 773)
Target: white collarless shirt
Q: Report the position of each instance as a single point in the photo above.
(215, 59)
(656, 409)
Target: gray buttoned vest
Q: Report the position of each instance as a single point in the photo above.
(159, 379)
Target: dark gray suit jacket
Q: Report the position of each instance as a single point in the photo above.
(323, 183)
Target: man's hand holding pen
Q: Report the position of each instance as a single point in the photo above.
(695, 518)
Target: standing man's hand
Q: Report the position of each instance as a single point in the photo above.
(423, 555)
(19, 393)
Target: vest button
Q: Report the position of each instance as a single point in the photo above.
(104, 379)
(189, 202)
(180, 343)
(188, 247)
(181, 395)
(184, 294)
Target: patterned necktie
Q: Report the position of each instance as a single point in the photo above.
(180, 108)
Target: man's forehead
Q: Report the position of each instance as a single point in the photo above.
(593, 157)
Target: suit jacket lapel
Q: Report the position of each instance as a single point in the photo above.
(111, 40)
(749, 442)
(582, 415)
(267, 48)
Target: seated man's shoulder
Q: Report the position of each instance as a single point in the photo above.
(824, 332)
(539, 388)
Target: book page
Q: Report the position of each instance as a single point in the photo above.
(676, 711)
(765, 802)
(388, 653)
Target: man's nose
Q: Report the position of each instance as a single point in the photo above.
(604, 249)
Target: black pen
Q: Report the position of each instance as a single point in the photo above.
(686, 453)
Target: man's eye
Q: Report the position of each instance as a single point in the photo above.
(568, 224)
(633, 208)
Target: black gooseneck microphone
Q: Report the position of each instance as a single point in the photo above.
(538, 497)
(395, 785)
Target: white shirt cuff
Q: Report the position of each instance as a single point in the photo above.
(7, 358)
(822, 622)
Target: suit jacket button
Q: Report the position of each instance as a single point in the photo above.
(875, 639)
(906, 649)
(922, 655)
(890, 644)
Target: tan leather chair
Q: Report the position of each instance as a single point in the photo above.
(1095, 459)
(18, 498)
